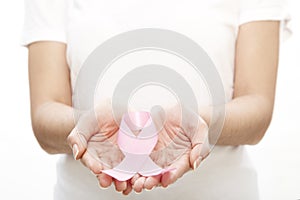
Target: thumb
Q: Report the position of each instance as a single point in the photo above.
(77, 142)
(198, 153)
(83, 131)
(200, 145)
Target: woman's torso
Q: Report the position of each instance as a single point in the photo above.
(226, 173)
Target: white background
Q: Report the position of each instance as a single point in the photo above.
(26, 172)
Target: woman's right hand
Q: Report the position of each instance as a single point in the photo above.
(93, 141)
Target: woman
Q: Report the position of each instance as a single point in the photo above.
(240, 36)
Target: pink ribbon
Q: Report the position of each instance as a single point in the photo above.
(137, 137)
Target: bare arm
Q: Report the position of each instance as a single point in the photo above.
(50, 94)
(249, 114)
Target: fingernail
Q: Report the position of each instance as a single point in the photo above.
(197, 163)
(147, 189)
(75, 151)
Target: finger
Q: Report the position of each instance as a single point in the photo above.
(181, 166)
(134, 178)
(195, 128)
(197, 131)
(77, 142)
(139, 184)
(199, 152)
(104, 180)
(128, 189)
(120, 185)
(91, 163)
(195, 156)
(152, 182)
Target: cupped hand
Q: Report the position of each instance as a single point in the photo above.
(182, 145)
(94, 142)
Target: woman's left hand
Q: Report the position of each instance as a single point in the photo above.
(182, 145)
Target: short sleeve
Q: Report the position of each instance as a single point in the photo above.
(259, 10)
(44, 20)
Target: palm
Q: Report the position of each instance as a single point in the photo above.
(101, 148)
(102, 145)
(173, 154)
(173, 146)
(97, 131)
(180, 144)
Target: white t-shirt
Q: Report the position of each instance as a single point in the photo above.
(84, 24)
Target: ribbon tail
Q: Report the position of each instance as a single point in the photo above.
(119, 175)
(150, 168)
(127, 168)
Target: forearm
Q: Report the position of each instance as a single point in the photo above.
(249, 114)
(50, 95)
(52, 122)
(246, 120)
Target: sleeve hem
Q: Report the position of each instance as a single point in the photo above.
(31, 36)
(259, 14)
(275, 13)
